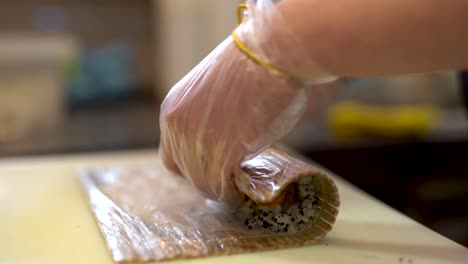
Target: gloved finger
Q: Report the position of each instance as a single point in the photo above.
(167, 160)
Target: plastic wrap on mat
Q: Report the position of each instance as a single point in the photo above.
(148, 214)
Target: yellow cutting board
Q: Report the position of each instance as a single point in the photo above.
(45, 218)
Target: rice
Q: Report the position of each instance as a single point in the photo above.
(291, 215)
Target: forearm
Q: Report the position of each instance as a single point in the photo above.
(357, 38)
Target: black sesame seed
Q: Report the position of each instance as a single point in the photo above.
(301, 212)
(285, 229)
(250, 227)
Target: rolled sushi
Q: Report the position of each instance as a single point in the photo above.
(285, 195)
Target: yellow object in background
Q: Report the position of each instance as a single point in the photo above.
(350, 120)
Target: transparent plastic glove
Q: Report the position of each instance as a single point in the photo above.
(225, 111)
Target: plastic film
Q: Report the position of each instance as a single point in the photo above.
(147, 214)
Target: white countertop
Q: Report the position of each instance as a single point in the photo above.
(45, 218)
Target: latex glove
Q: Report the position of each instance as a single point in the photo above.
(226, 110)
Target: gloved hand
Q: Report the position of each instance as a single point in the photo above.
(226, 110)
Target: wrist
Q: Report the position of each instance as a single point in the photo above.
(271, 37)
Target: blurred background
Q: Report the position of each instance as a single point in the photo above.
(89, 75)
